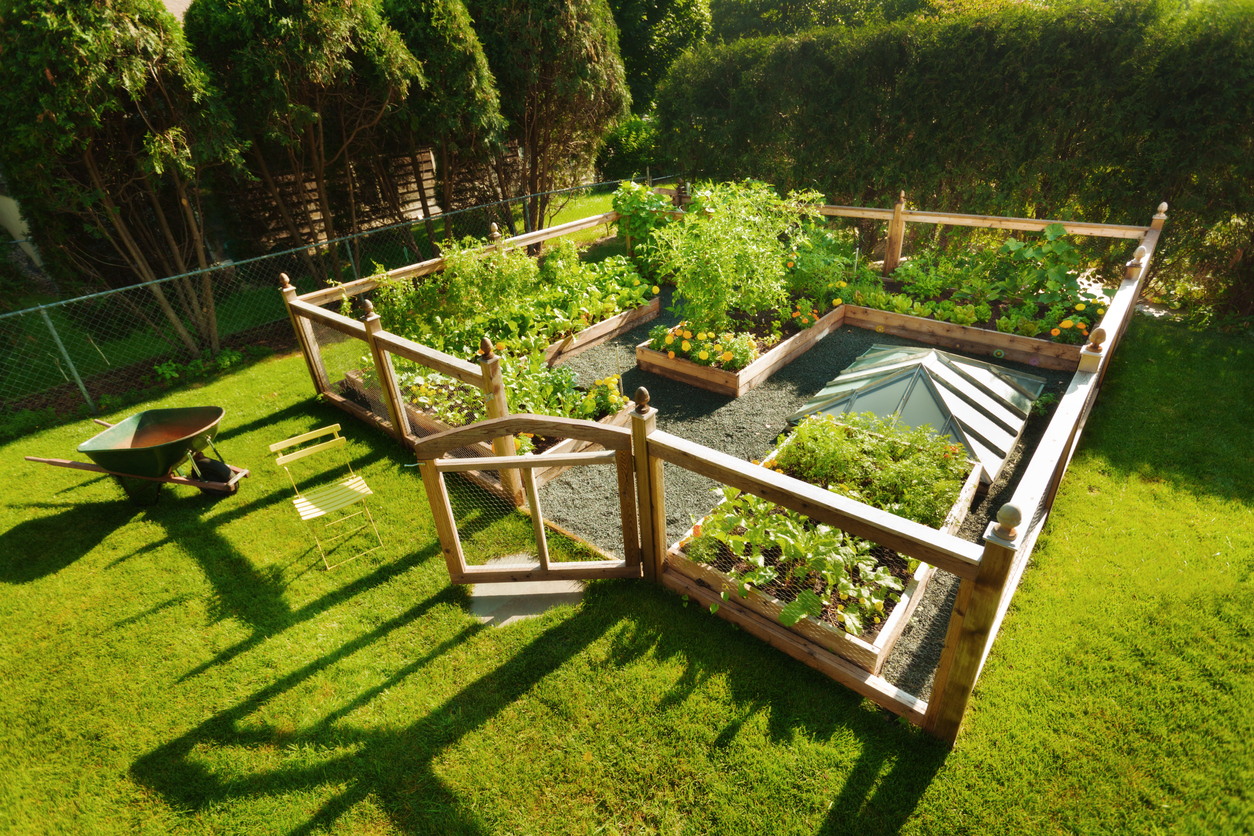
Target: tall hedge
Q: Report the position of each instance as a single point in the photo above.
(1095, 111)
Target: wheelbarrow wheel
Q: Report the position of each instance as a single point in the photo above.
(212, 470)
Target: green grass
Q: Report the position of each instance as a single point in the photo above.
(190, 668)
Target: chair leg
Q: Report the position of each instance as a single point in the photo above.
(373, 527)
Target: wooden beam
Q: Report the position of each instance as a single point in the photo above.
(445, 525)
(305, 338)
(956, 556)
(1043, 353)
(975, 633)
(331, 320)
(650, 488)
(542, 460)
(896, 237)
(609, 437)
(581, 570)
(386, 375)
(875, 688)
(438, 361)
(627, 506)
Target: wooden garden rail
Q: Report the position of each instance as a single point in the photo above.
(305, 310)
(989, 574)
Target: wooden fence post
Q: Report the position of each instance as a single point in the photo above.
(896, 234)
(498, 407)
(387, 376)
(305, 338)
(650, 490)
(970, 627)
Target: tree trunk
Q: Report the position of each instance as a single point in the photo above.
(422, 196)
(293, 230)
(138, 262)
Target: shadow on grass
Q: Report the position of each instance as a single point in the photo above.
(27, 552)
(395, 768)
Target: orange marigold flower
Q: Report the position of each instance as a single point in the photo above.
(1054, 332)
(727, 356)
(670, 354)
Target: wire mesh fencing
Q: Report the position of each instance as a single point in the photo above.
(97, 350)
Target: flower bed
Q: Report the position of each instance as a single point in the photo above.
(736, 383)
(831, 588)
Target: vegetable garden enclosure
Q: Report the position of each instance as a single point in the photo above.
(811, 550)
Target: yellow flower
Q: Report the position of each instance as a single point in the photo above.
(685, 345)
(727, 356)
(636, 283)
(670, 338)
(500, 346)
(704, 355)
(837, 302)
(1101, 310)
(717, 348)
(1080, 306)
(842, 284)
(701, 336)
(656, 290)
(1066, 323)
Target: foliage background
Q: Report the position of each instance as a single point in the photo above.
(1096, 111)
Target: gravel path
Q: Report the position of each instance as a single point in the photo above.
(584, 500)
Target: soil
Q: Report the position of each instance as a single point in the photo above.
(585, 500)
(785, 590)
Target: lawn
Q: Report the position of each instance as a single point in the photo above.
(190, 668)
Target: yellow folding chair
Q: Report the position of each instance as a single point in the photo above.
(321, 501)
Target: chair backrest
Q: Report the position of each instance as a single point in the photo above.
(336, 441)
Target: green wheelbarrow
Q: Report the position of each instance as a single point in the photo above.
(148, 449)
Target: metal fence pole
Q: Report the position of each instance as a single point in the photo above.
(66, 355)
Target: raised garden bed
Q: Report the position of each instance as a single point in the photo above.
(603, 331)
(735, 384)
(1044, 354)
(871, 647)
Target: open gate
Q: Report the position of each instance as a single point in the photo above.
(633, 480)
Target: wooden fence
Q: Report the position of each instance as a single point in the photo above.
(989, 573)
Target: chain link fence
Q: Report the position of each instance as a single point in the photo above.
(97, 351)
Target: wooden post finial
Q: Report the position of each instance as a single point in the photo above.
(284, 281)
(1008, 518)
(902, 197)
(369, 308)
(1160, 217)
(642, 400)
(1096, 339)
(495, 234)
(485, 347)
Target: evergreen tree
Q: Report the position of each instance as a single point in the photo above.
(109, 124)
(562, 86)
